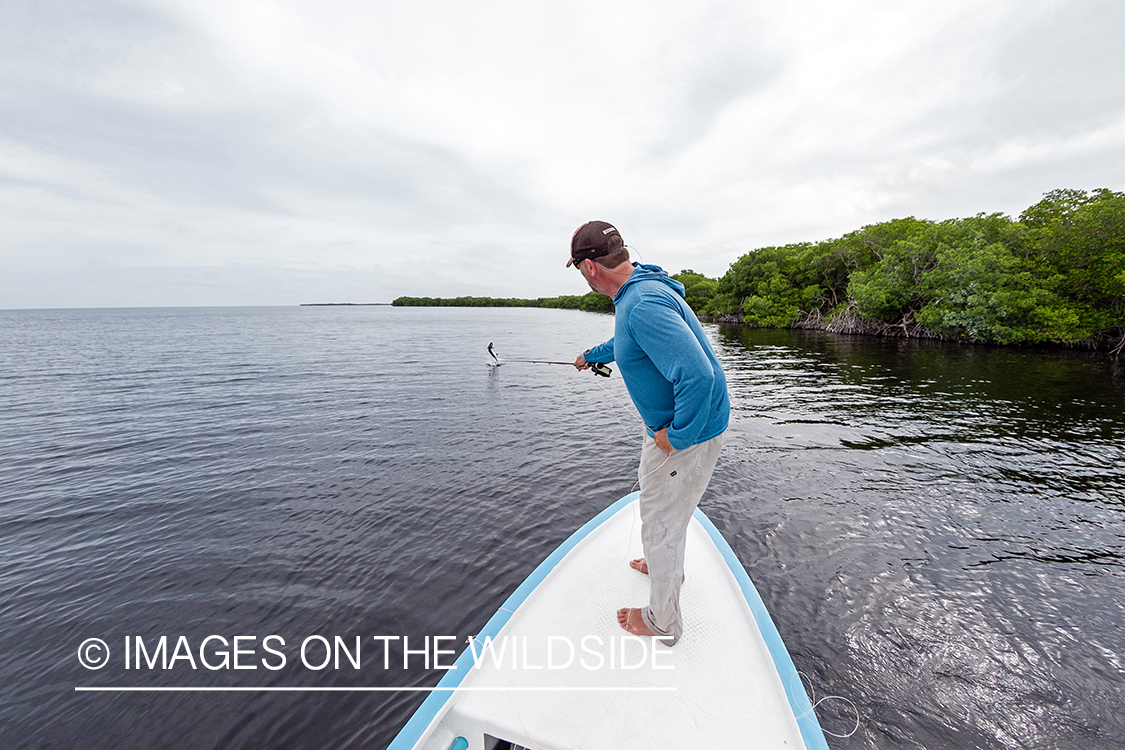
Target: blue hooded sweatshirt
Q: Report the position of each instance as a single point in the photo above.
(673, 375)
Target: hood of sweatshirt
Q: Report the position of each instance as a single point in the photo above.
(645, 273)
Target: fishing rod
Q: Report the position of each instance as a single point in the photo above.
(597, 367)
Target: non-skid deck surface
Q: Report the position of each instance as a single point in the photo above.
(727, 692)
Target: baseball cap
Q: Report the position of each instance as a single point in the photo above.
(593, 240)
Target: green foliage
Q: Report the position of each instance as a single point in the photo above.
(986, 293)
(1057, 274)
(460, 302)
(699, 290)
(1078, 241)
(888, 289)
(831, 263)
(773, 285)
(590, 302)
(892, 288)
(594, 302)
(1060, 206)
(569, 302)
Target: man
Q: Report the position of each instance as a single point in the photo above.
(679, 388)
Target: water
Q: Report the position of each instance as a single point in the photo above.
(936, 530)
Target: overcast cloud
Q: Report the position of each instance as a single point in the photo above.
(243, 153)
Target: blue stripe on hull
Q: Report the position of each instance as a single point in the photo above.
(799, 702)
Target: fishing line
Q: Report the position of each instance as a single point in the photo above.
(631, 437)
(598, 369)
(815, 702)
(638, 418)
(812, 691)
(595, 367)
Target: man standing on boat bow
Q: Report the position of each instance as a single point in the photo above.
(680, 391)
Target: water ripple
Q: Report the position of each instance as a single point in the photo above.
(936, 530)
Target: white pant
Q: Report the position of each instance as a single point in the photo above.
(670, 489)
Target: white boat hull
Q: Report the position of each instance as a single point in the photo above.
(560, 673)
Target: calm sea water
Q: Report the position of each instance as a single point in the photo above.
(938, 531)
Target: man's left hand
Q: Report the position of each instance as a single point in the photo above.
(662, 443)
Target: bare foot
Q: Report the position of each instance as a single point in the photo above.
(629, 618)
(641, 565)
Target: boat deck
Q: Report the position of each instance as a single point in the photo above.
(562, 674)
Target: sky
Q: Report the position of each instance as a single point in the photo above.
(164, 153)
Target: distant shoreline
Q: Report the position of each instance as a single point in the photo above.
(345, 304)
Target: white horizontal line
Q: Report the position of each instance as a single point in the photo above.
(112, 689)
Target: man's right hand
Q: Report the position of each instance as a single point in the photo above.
(581, 362)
